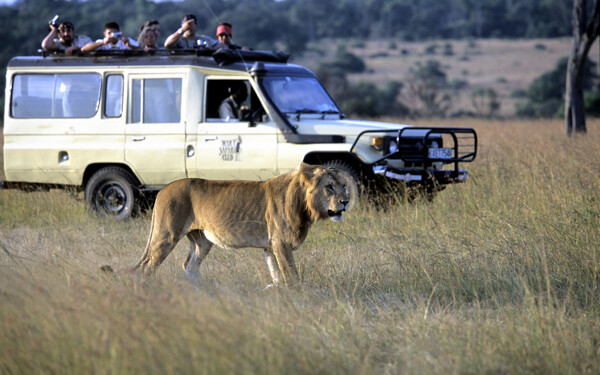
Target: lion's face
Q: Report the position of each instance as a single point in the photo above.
(331, 197)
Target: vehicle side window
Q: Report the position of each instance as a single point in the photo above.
(114, 95)
(156, 100)
(219, 91)
(73, 95)
(136, 101)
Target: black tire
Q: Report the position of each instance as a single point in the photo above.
(111, 192)
(352, 171)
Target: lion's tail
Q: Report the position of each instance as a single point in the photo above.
(145, 254)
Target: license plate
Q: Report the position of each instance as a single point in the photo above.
(440, 153)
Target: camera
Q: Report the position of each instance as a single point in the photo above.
(117, 35)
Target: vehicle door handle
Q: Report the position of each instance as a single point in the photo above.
(211, 138)
(139, 139)
(190, 151)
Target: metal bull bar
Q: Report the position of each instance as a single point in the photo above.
(417, 145)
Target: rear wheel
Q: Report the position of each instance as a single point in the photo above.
(111, 192)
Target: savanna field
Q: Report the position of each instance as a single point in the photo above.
(499, 275)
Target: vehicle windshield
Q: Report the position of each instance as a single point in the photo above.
(299, 95)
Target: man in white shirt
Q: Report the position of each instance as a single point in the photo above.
(113, 40)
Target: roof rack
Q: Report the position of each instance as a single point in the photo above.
(221, 56)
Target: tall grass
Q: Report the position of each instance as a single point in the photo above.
(497, 275)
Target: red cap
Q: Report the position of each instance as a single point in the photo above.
(224, 29)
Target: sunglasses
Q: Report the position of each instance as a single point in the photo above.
(224, 34)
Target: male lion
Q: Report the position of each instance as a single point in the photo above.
(274, 215)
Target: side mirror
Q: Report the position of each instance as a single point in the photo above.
(245, 114)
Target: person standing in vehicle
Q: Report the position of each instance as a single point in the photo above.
(147, 39)
(224, 34)
(185, 37)
(63, 38)
(113, 40)
(154, 25)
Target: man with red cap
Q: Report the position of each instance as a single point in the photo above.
(224, 35)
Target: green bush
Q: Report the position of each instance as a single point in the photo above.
(363, 98)
(544, 96)
(345, 62)
(592, 104)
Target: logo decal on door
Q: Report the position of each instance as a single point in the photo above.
(231, 149)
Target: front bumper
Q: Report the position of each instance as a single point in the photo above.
(439, 176)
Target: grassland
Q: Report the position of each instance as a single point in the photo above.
(499, 275)
(501, 64)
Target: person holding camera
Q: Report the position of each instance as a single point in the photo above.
(185, 37)
(113, 40)
(62, 37)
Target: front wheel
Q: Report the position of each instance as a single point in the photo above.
(111, 192)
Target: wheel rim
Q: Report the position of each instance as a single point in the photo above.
(111, 198)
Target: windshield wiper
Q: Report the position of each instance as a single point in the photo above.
(332, 112)
(301, 111)
(305, 110)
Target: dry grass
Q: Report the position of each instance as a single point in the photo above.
(499, 275)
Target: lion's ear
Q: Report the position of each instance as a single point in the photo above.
(301, 166)
(309, 171)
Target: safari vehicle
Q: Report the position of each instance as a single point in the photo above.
(121, 125)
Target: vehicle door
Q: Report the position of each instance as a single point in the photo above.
(241, 146)
(155, 132)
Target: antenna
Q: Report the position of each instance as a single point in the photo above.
(218, 22)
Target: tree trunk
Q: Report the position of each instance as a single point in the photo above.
(584, 34)
(574, 104)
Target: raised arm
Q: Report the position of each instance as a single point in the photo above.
(173, 38)
(48, 42)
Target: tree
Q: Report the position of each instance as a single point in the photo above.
(485, 101)
(584, 34)
(428, 84)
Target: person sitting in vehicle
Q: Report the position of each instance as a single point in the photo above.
(229, 110)
(185, 37)
(147, 39)
(113, 40)
(63, 38)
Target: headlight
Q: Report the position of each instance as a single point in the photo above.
(377, 143)
(385, 144)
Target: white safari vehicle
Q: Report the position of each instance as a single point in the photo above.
(120, 126)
